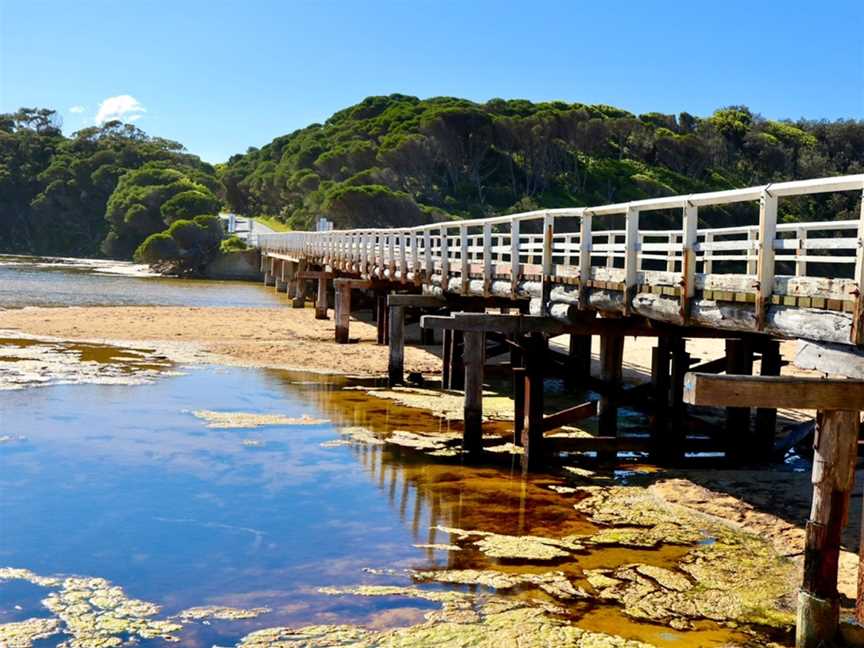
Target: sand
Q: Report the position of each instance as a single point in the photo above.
(282, 338)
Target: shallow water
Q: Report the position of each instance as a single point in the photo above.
(125, 483)
(37, 281)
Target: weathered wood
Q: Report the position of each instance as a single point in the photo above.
(769, 391)
(569, 415)
(299, 296)
(857, 333)
(765, 262)
(321, 299)
(611, 358)
(834, 359)
(835, 452)
(446, 355)
(532, 431)
(382, 315)
(472, 434)
(631, 258)
(396, 347)
(660, 389)
(766, 417)
(343, 312)
(739, 361)
(579, 359)
(416, 301)
(585, 245)
(680, 362)
(518, 404)
(457, 360)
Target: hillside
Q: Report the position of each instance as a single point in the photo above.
(399, 160)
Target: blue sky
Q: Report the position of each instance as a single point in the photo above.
(221, 76)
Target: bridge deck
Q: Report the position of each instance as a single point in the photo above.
(786, 279)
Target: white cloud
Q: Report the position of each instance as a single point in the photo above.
(77, 109)
(122, 107)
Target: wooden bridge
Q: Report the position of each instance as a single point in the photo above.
(515, 281)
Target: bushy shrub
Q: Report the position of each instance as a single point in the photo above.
(158, 247)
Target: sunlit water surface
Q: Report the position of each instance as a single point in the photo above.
(37, 281)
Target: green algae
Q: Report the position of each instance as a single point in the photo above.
(251, 420)
(395, 590)
(735, 578)
(360, 435)
(495, 624)
(221, 613)
(554, 583)
(22, 634)
(526, 547)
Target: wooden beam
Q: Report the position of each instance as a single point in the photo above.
(773, 391)
(765, 262)
(739, 361)
(314, 274)
(766, 417)
(611, 359)
(416, 301)
(569, 415)
(532, 432)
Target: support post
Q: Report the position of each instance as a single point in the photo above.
(611, 359)
(457, 363)
(680, 365)
(300, 294)
(660, 393)
(343, 312)
(766, 417)
(396, 364)
(472, 434)
(835, 446)
(381, 316)
(446, 351)
(579, 360)
(739, 361)
(321, 300)
(532, 428)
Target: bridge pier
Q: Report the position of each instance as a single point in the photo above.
(739, 361)
(269, 274)
(321, 298)
(611, 365)
(281, 282)
(299, 300)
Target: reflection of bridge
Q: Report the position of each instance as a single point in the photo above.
(561, 268)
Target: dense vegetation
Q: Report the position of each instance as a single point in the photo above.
(400, 160)
(396, 160)
(101, 191)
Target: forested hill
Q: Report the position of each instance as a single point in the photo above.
(99, 192)
(399, 160)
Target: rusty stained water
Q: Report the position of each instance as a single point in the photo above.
(122, 482)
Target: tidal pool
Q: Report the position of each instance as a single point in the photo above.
(299, 519)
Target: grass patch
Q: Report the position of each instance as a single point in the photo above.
(272, 223)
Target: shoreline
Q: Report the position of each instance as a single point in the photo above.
(771, 502)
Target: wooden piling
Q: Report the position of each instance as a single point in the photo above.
(457, 363)
(835, 452)
(680, 363)
(321, 299)
(611, 360)
(766, 417)
(396, 363)
(343, 312)
(518, 404)
(381, 315)
(472, 435)
(739, 361)
(300, 291)
(579, 360)
(532, 430)
(446, 369)
(660, 398)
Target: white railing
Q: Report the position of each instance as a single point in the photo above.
(733, 262)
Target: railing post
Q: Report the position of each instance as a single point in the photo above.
(427, 255)
(403, 256)
(585, 240)
(707, 263)
(391, 254)
(487, 259)
(688, 259)
(752, 243)
(631, 258)
(415, 256)
(801, 252)
(445, 261)
(465, 273)
(858, 319)
(671, 240)
(546, 261)
(515, 266)
(765, 262)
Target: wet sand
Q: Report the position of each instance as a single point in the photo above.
(279, 338)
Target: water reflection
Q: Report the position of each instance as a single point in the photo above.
(123, 482)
